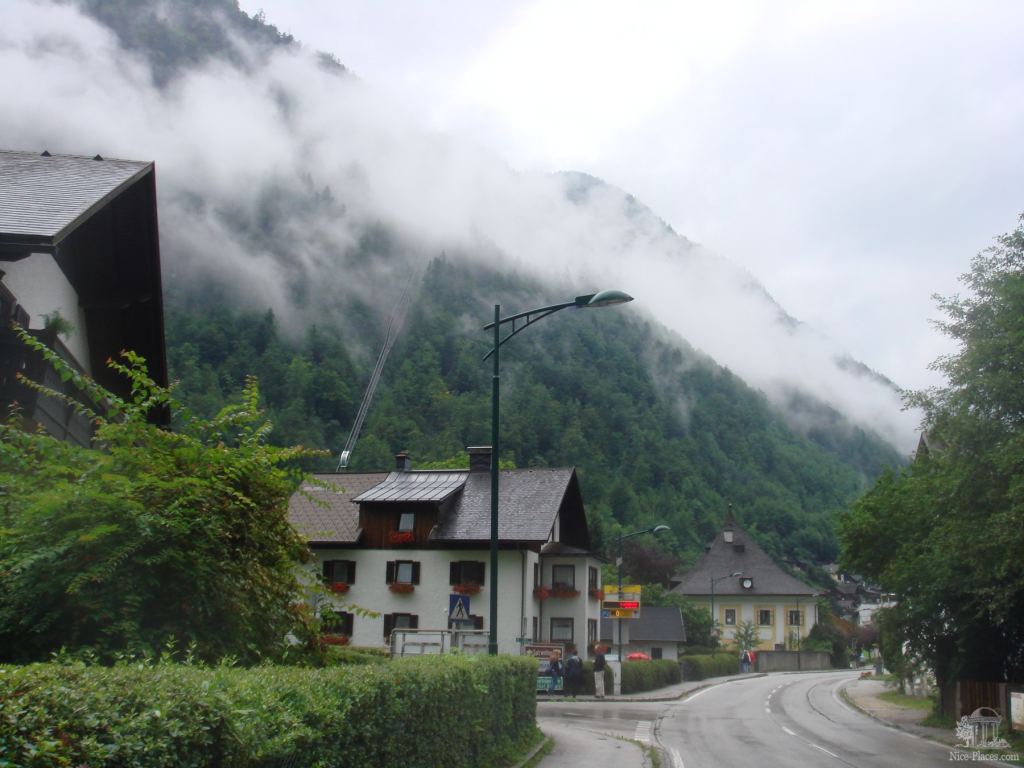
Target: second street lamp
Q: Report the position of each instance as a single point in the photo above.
(520, 322)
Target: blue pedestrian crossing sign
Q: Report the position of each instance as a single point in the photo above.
(458, 608)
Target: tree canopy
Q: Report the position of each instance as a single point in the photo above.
(152, 535)
(947, 533)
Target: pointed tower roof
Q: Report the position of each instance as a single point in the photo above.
(732, 551)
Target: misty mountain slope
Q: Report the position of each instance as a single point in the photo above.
(297, 205)
(273, 171)
(660, 435)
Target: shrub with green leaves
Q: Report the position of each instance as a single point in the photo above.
(640, 676)
(428, 711)
(700, 667)
(152, 534)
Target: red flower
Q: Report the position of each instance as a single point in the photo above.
(542, 593)
(401, 587)
(401, 537)
(466, 588)
(564, 590)
(338, 586)
(597, 594)
(334, 639)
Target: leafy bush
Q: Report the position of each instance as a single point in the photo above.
(427, 711)
(152, 534)
(699, 667)
(640, 676)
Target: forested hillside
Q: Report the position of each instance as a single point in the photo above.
(658, 432)
(312, 223)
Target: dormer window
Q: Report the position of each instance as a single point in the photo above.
(406, 522)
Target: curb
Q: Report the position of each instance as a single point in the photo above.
(923, 737)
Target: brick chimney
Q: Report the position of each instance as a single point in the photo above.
(479, 458)
(402, 462)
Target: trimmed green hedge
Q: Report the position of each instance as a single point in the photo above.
(702, 667)
(427, 711)
(640, 676)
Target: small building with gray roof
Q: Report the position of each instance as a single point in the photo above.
(740, 582)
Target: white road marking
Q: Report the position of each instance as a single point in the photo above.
(677, 759)
(830, 754)
(788, 731)
(643, 732)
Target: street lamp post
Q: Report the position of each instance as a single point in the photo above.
(618, 571)
(520, 322)
(713, 582)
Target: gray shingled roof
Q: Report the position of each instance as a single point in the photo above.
(419, 485)
(743, 554)
(528, 500)
(335, 519)
(43, 199)
(655, 624)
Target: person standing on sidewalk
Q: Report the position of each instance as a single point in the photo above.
(573, 673)
(555, 667)
(599, 665)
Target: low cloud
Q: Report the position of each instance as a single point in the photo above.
(273, 181)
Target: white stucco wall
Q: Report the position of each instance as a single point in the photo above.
(429, 601)
(40, 287)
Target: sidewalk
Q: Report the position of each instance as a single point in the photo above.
(863, 694)
(668, 693)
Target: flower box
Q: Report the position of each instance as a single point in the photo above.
(467, 588)
(401, 587)
(339, 586)
(564, 592)
(334, 639)
(597, 594)
(542, 593)
(401, 537)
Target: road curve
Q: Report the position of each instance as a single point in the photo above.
(780, 721)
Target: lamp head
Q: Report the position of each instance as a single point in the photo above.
(738, 573)
(660, 528)
(603, 299)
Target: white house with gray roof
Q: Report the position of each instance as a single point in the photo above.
(401, 543)
(781, 607)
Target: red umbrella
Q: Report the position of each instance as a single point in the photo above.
(637, 656)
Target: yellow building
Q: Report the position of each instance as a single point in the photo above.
(739, 582)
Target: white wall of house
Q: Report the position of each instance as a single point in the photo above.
(41, 288)
(429, 600)
(583, 610)
(778, 631)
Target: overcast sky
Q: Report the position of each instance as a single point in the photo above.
(852, 156)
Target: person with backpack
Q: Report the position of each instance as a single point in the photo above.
(745, 661)
(573, 673)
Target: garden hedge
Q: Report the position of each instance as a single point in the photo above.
(700, 667)
(640, 676)
(427, 711)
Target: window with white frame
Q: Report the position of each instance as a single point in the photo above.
(563, 576)
(561, 630)
(406, 522)
(730, 616)
(339, 571)
(403, 572)
(795, 618)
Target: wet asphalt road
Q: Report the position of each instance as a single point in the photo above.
(773, 721)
